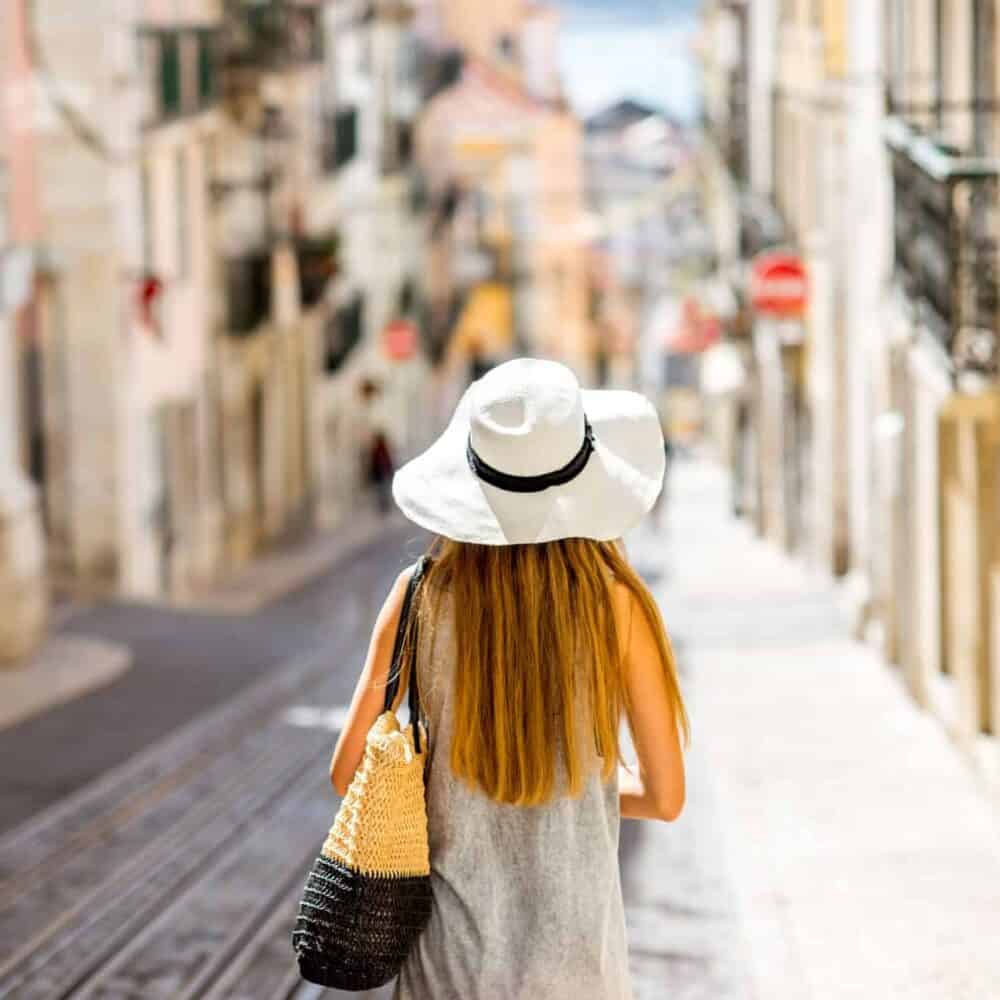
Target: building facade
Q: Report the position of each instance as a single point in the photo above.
(877, 154)
(206, 236)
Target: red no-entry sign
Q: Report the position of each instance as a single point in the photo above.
(779, 285)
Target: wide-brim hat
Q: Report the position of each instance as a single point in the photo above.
(531, 457)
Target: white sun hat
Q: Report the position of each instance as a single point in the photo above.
(530, 457)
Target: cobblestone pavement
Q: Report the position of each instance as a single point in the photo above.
(199, 794)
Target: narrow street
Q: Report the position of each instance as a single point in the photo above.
(175, 874)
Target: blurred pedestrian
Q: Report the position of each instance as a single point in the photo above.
(380, 471)
(536, 637)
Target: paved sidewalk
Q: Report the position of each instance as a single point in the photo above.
(864, 855)
(63, 668)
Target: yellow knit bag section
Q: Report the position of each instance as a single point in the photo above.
(381, 826)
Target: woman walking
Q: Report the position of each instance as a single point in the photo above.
(536, 638)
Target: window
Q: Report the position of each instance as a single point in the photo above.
(180, 71)
(170, 75)
(345, 136)
(248, 292)
(206, 68)
(343, 333)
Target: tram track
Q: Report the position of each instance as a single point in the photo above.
(92, 815)
(99, 922)
(202, 928)
(73, 934)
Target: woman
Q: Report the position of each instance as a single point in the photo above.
(536, 639)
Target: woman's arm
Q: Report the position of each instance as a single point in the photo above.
(656, 789)
(369, 695)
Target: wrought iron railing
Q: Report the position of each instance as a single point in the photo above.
(946, 213)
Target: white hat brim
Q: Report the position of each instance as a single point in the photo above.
(619, 485)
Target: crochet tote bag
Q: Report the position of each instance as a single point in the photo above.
(368, 895)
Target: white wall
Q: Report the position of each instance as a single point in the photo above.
(763, 49)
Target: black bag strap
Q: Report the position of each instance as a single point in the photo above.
(407, 629)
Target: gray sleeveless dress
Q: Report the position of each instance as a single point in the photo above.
(527, 901)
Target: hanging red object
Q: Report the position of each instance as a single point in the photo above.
(149, 293)
(779, 285)
(400, 339)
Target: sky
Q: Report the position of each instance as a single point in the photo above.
(630, 48)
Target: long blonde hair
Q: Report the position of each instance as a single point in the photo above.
(535, 628)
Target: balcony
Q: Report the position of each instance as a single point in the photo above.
(946, 216)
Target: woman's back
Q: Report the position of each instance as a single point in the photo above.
(527, 899)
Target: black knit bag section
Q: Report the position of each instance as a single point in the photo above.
(354, 931)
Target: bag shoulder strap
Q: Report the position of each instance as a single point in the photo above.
(407, 635)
